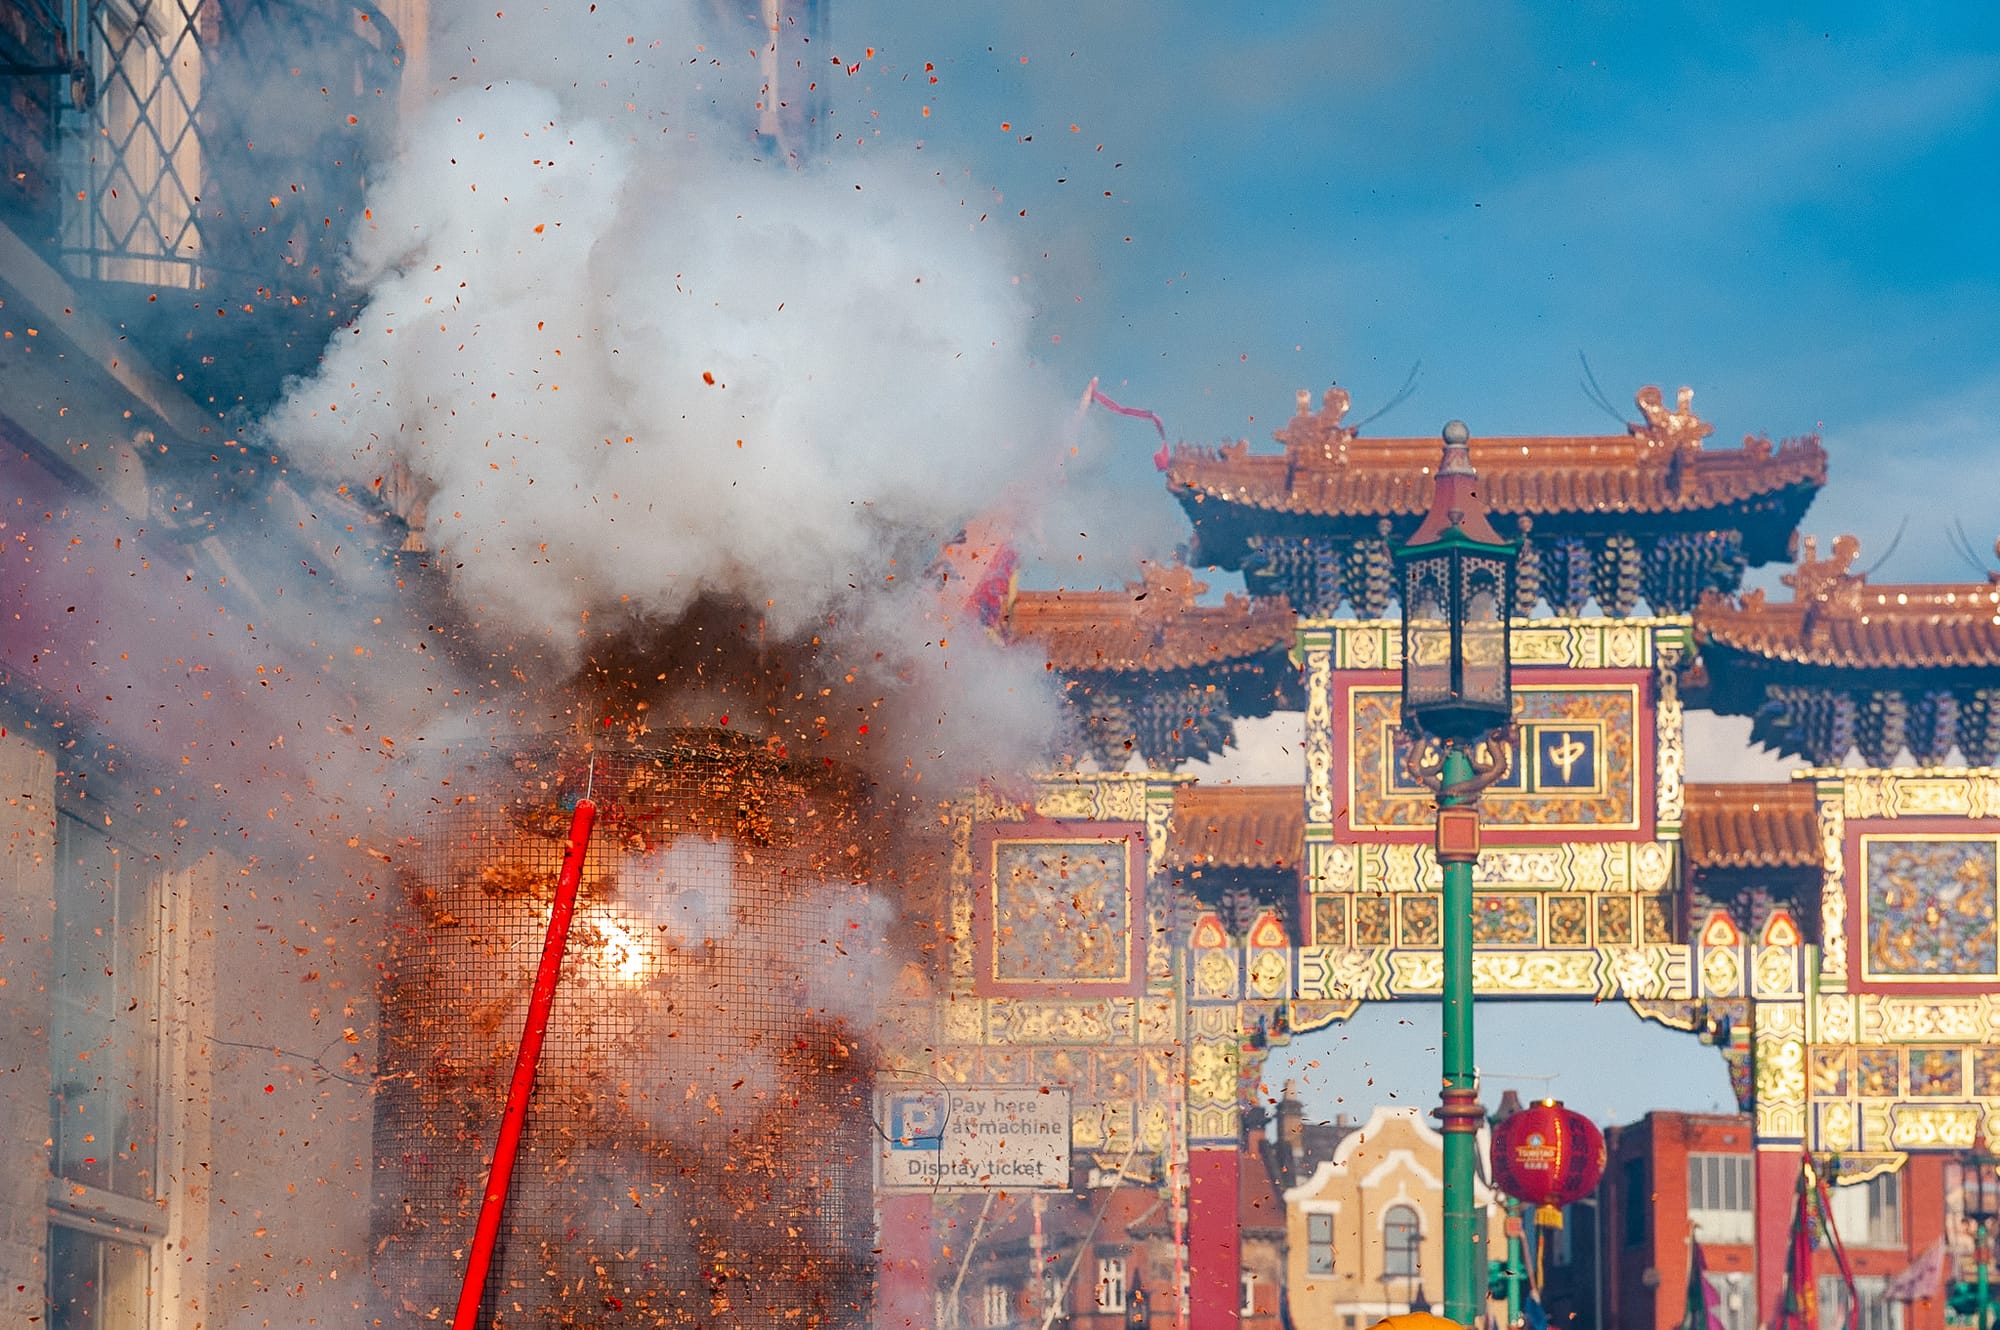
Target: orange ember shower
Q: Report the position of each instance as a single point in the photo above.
(697, 1147)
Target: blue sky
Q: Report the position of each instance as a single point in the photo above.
(1789, 208)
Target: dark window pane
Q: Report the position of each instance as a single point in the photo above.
(103, 1040)
(95, 1283)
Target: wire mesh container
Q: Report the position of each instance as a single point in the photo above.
(698, 1147)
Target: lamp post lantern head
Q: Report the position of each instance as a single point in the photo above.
(1455, 579)
(1977, 1175)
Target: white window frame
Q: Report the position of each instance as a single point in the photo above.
(1735, 1298)
(1394, 1253)
(1111, 1283)
(1715, 1178)
(1248, 1284)
(998, 1305)
(1314, 1246)
(146, 1224)
(1869, 1214)
(1878, 1310)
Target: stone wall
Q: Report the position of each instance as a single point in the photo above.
(27, 876)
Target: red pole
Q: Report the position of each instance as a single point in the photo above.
(539, 1001)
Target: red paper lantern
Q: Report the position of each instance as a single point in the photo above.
(1549, 1155)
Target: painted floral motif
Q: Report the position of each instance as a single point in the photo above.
(1614, 919)
(1655, 919)
(1067, 907)
(1929, 907)
(1330, 920)
(1880, 1072)
(1569, 921)
(1829, 1076)
(1986, 1073)
(1420, 921)
(1936, 1071)
(1371, 921)
(1506, 920)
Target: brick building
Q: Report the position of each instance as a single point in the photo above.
(1676, 1178)
(1105, 1251)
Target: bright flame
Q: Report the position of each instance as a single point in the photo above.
(625, 958)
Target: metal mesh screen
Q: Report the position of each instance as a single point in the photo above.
(698, 1146)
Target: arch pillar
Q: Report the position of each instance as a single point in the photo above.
(1215, 1125)
(1779, 1129)
(906, 1276)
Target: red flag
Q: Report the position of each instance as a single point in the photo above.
(1798, 1306)
(1839, 1248)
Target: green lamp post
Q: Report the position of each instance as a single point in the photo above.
(1456, 583)
(1975, 1175)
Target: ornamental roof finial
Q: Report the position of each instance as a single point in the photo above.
(1456, 504)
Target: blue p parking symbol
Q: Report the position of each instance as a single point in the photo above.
(916, 1121)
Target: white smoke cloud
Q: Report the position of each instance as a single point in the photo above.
(634, 364)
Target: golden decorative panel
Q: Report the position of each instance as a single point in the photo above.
(1335, 868)
(1368, 644)
(1212, 1071)
(1897, 792)
(1269, 975)
(1779, 1042)
(1016, 1021)
(1920, 1020)
(1317, 1015)
(1317, 648)
(1067, 801)
(1338, 975)
(1532, 646)
(1669, 747)
(1210, 1123)
(1060, 909)
(1721, 972)
(1579, 643)
(1576, 766)
(1828, 800)
(1572, 866)
(1215, 973)
(1652, 866)
(1839, 1127)
(1775, 972)
(1159, 818)
(1522, 973)
(1932, 1127)
(1836, 1019)
(1096, 797)
(963, 1021)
